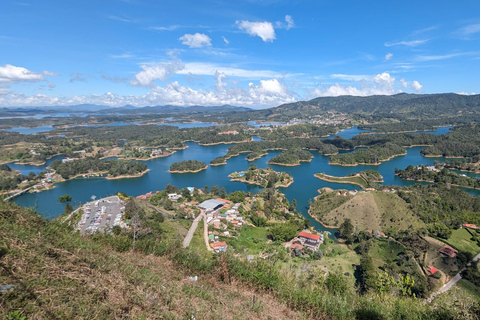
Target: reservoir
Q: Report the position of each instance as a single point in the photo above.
(304, 188)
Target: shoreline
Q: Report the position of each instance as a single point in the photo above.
(366, 164)
(256, 184)
(334, 181)
(258, 157)
(188, 171)
(128, 176)
(289, 164)
(430, 181)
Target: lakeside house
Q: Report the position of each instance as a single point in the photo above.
(173, 196)
(470, 226)
(310, 240)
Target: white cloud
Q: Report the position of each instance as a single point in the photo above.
(169, 28)
(158, 71)
(10, 73)
(225, 40)
(388, 56)
(380, 84)
(470, 29)
(263, 29)
(209, 69)
(416, 86)
(51, 74)
(441, 57)
(197, 40)
(289, 21)
(412, 43)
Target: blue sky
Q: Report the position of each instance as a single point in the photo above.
(256, 53)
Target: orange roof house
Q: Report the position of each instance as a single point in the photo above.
(219, 246)
(449, 251)
(297, 245)
(432, 269)
(469, 225)
(309, 236)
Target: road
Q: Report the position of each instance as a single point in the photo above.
(18, 193)
(190, 232)
(447, 286)
(165, 214)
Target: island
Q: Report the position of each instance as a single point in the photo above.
(374, 155)
(291, 157)
(267, 178)
(114, 169)
(187, 166)
(365, 179)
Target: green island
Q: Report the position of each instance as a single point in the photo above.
(437, 174)
(267, 178)
(114, 169)
(371, 156)
(291, 157)
(364, 179)
(186, 166)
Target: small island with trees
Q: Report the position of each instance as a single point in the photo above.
(187, 166)
(364, 179)
(291, 157)
(267, 178)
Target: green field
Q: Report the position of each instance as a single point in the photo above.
(356, 180)
(250, 241)
(460, 239)
(338, 259)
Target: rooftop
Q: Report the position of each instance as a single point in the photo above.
(309, 235)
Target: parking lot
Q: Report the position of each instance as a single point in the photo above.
(101, 214)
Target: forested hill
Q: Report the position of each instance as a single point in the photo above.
(438, 105)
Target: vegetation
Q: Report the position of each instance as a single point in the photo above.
(10, 179)
(291, 157)
(364, 179)
(267, 178)
(422, 173)
(372, 155)
(114, 168)
(188, 166)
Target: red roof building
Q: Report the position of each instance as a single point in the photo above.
(449, 251)
(297, 245)
(219, 246)
(309, 235)
(432, 269)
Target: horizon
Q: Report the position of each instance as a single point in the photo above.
(252, 53)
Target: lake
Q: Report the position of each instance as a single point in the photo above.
(303, 189)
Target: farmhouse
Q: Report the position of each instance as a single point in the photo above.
(310, 240)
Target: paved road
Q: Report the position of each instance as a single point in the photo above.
(447, 286)
(190, 233)
(165, 214)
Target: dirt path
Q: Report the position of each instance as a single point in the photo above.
(191, 231)
(205, 234)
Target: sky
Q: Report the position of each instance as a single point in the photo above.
(252, 53)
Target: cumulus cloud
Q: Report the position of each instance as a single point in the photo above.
(264, 29)
(380, 84)
(197, 40)
(412, 43)
(158, 71)
(388, 56)
(13, 74)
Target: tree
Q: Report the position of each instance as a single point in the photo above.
(346, 229)
(215, 190)
(171, 189)
(168, 204)
(293, 205)
(206, 190)
(223, 192)
(283, 231)
(66, 198)
(131, 208)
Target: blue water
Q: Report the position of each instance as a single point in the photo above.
(24, 130)
(27, 168)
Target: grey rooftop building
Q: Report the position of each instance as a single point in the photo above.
(211, 204)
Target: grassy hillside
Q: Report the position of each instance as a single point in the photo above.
(368, 210)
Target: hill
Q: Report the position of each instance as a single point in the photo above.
(416, 105)
(367, 210)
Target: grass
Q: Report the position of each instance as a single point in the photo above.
(356, 180)
(250, 241)
(338, 259)
(369, 210)
(435, 258)
(385, 251)
(460, 239)
(463, 291)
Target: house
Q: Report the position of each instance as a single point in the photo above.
(219, 246)
(310, 240)
(297, 246)
(173, 196)
(469, 226)
(449, 251)
(432, 270)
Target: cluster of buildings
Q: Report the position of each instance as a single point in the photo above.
(217, 217)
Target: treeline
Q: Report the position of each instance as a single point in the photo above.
(260, 147)
(404, 126)
(9, 179)
(87, 165)
(188, 165)
(443, 208)
(291, 157)
(422, 173)
(158, 135)
(302, 130)
(371, 155)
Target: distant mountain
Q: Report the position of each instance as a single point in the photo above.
(419, 105)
